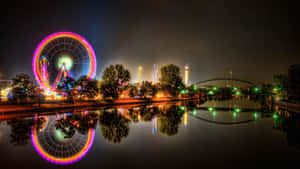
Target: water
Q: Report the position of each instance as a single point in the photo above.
(177, 135)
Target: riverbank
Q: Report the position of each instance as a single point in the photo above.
(6, 108)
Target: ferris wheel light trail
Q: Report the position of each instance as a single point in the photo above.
(37, 54)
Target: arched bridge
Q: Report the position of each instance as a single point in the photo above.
(224, 82)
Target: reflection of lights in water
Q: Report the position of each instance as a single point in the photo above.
(53, 147)
(185, 119)
(1, 134)
(153, 130)
(45, 123)
(255, 115)
(194, 112)
(214, 113)
(234, 114)
(154, 124)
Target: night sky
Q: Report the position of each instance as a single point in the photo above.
(253, 38)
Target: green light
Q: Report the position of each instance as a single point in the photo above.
(255, 89)
(237, 110)
(238, 93)
(275, 116)
(194, 112)
(211, 93)
(195, 88)
(215, 88)
(276, 89)
(234, 114)
(182, 108)
(182, 92)
(210, 109)
(255, 115)
(65, 60)
(186, 91)
(234, 88)
(60, 135)
(214, 113)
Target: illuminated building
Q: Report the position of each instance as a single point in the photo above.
(155, 73)
(140, 74)
(186, 74)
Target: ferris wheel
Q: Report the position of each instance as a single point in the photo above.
(61, 55)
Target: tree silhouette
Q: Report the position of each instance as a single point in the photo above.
(22, 87)
(20, 131)
(147, 89)
(170, 120)
(115, 78)
(114, 127)
(88, 87)
(170, 79)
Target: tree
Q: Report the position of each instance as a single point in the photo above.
(88, 87)
(21, 80)
(116, 74)
(109, 90)
(281, 83)
(170, 79)
(115, 78)
(147, 89)
(133, 91)
(22, 87)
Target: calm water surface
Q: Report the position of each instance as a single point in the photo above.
(177, 135)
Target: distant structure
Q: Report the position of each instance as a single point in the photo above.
(186, 74)
(155, 73)
(294, 83)
(225, 82)
(140, 74)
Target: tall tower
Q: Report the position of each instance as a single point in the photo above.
(155, 73)
(140, 74)
(186, 74)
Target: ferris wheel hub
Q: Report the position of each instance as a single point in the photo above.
(65, 62)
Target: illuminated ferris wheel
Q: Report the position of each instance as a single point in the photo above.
(61, 55)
